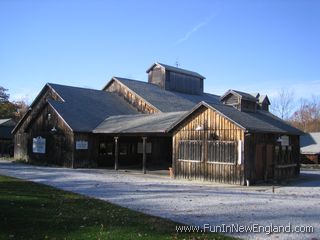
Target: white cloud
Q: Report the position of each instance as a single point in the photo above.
(194, 30)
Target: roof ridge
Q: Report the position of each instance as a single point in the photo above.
(176, 69)
(62, 85)
(140, 81)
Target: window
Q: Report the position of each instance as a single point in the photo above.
(190, 150)
(102, 149)
(109, 149)
(123, 149)
(222, 152)
(105, 148)
(284, 154)
(148, 147)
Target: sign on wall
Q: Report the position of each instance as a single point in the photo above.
(39, 145)
(240, 152)
(81, 145)
(284, 140)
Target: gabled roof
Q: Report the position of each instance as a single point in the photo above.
(243, 95)
(264, 98)
(310, 143)
(164, 100)
(84, 109)
(176, 69)
(259, 121)
(255, 95)
(139, 123)
(35, 101)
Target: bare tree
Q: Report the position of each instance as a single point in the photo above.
(307, 117)
(283, 104)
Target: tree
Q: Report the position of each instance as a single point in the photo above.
(21, 109)
(283, 104)
(307, 117)
(8, 109)
(4, 97)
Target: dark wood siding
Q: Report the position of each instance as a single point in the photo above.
(175, 81)
(248, 106)
(204, 128)
(266, 159)
(59, 143)
(85, 157)
(184, 83)
(264, 106)
(22, 137)
(6, 147)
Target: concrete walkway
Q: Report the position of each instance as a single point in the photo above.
(191, 202)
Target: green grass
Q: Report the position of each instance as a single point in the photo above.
(34, 211)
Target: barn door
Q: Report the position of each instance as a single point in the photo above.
(259, 163)
(269, 162)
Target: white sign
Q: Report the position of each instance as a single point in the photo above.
(39, 145)
(284, 140)
(148, 147)
(240, 152)
(80, 145)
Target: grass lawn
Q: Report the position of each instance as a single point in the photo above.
(34, 211)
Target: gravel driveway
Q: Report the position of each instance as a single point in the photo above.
(191, 202)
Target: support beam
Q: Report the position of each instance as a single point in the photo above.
(144, 155)
(116, 153)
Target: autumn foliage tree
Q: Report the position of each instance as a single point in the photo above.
(8, 109)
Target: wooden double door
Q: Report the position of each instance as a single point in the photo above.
(264, 162)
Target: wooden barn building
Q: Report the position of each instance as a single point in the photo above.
(167, 122)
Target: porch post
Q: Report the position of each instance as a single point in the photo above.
(144, 155)
(116, 153)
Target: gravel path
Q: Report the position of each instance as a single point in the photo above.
(191, 202)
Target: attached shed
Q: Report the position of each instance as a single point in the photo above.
(310, 147)
(6, 137)
(124, 138)
(220, 143)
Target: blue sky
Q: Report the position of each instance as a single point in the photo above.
(253, 46)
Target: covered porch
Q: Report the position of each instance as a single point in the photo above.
(143, 153)
(136, 142)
